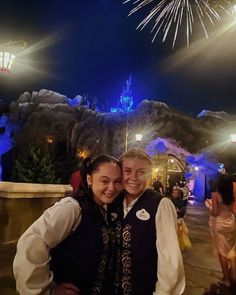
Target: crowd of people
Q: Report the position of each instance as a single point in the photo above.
(115, 234)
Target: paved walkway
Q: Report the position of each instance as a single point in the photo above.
(201, 266)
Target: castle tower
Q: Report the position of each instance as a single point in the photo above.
(126, 98)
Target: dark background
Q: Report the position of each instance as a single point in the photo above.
(77, 47)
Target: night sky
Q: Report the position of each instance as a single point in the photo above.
(82, 46)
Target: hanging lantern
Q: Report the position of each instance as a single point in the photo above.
(8, 53)
(6, 61)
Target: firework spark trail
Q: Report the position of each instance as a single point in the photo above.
(168, 13)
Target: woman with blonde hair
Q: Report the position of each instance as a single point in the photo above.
(149, 258)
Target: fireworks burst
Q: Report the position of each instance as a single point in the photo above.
(173, 13)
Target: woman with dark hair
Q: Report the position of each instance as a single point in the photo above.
(69, 249)
(223, 227)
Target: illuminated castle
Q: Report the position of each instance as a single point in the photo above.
(125, 102)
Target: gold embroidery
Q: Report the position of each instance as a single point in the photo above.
(126, 285)
(126, 260)
(118, 255)
(107, 236)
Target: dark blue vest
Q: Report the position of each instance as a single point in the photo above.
(136, 238)
(84, 257)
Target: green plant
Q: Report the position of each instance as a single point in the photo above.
(35, 166)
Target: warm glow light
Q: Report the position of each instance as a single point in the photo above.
(234, 8)
(82, 154)
(6, 61)
(8, 54)
(172, 160)
(156, 169)
(233, 137)
(50, 139)
(138, 137)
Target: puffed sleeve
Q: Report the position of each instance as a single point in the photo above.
(170, 271)
(31, 262)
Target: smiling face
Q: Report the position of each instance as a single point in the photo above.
(105, 183)
(135, 175)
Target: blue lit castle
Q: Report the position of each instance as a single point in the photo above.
(125, 102)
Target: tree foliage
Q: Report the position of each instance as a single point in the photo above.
(35, 166)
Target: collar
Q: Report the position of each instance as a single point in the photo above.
(126, 208)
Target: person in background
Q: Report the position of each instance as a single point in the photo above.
(158, 186)
(177, 200)
(75, 178)
(185, 190)
(223, 227)
(149, 259)
(71, 247)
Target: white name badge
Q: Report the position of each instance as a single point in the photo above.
(143, 214)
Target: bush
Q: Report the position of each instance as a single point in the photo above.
(35, 167)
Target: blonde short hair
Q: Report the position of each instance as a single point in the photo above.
(136, 153)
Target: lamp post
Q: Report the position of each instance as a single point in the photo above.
(8, 54)
(126, 132)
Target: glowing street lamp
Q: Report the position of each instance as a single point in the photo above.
(6, 61)
(138, 137)
(8, 53)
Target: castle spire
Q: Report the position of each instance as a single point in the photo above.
(126, 98)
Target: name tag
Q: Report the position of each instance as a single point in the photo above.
(142, 214)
